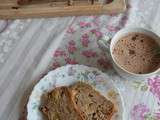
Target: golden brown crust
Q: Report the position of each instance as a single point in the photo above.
(91, 103)
(77, 109)
(59, 105)
(81, 100)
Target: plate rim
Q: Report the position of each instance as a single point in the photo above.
(77, 65)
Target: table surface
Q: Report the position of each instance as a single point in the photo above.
(32, 47)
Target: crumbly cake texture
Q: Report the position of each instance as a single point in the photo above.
(91, 104)
(79, 101)
(60, 106)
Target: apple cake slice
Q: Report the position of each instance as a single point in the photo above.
(91, 104)
(60, 106)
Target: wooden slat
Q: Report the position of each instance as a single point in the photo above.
(51, 10)
(55, 4)
(4, 4)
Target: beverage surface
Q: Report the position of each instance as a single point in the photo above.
(136, 53)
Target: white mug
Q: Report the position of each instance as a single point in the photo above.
(107, 44)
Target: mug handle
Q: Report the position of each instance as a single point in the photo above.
(104, 45)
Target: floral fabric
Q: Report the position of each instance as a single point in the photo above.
(76, 39)
(142, 98)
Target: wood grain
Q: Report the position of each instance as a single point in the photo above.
(10, 10)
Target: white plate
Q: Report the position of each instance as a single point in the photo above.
(68, 75)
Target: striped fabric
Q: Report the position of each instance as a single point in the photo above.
(30, 55)
(26, 48)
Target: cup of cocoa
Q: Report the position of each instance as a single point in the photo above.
(134, 52)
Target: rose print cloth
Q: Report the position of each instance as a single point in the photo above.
(30, 48)
(80, 47)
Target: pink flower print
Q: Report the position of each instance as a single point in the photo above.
(157, 116)
(94, 16)
(85, 40)
(89, 53)
(71, 42)
(104, 63)
(71, 30)
(139, 111)
(59, 52)
(56, 65)
(154, 84)
(124, 20)
(96, 21)
(72, 46)
(97, 33)
(71, 61)
(84, 24)
(99, 79)
(113, 28)
(71, 49)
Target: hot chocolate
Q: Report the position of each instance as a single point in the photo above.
(135, 52)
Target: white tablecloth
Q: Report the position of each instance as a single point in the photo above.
(27, 47)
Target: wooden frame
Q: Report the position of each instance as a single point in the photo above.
(10, 10)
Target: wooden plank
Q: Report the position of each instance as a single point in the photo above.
(51, 10)
(55, 4)
(4, 4)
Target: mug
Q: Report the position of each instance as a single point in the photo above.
(106, 44)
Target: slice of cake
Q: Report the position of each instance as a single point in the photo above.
(91, 104)
(60, 106)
